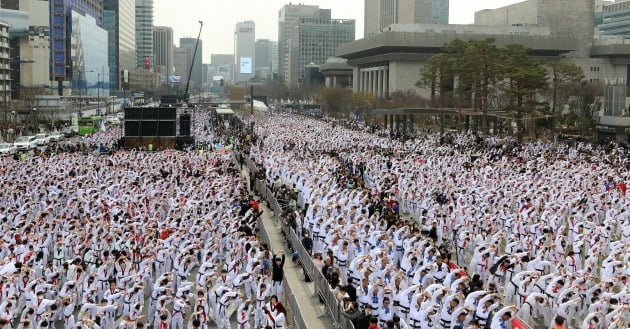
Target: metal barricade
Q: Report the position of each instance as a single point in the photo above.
(298, 320)
(322, 287)
(263, 233)
(260, 188)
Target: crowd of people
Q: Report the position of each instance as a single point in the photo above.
(133, 240)
(457, 232)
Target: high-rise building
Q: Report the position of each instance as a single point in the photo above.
(263, 59)
(205, 71)
(599, 11)
(65, 17)
(263, 53)
(89, 56)
(181, 66)
(196, 80)
(286, 16)
(144, 33)
(163, 49)
(5, 72)
(313, 41)
(120, 22)
(222, 65)
(29, 31)
(380, 14)
(616, 19)
(274, 60)
(244, 51)
(221, 59)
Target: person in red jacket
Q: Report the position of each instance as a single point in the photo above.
(373, 323)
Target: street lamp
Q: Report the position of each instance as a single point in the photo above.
(35, 128)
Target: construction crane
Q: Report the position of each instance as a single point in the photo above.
(192, 63)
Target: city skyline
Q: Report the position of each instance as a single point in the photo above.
(218, 28)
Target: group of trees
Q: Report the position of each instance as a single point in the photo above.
(477, 74)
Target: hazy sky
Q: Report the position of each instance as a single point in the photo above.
(220, 16)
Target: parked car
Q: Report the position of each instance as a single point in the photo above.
(7, 149)
(68, 132)
(42, 139)
(25, 143)
(57, 137)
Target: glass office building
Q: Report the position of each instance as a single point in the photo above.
(616, 19)
(120, 22)
(144, 33)
(314, 40)
(88, 56)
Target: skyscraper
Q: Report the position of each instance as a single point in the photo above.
(120, 23)
(144, 33)
(163, 49)
(181, 66)
(286, 16)
(223, 65)
(188, 44)
(244, 51)
(5, 72)
(313, 41)
(65, 15)
(274, 60)
(263, 59)
(379, 14)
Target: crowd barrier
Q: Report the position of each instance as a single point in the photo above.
(322, 288)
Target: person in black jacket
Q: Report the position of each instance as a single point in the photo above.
(363, 321)
(277, 275)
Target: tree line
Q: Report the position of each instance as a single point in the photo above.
(479, 75)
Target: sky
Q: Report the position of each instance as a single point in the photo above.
(220, 16)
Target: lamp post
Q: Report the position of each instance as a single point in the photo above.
(35, 128)
(98, 93)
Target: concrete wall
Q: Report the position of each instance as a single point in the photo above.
(570, 17)
(38, 11)
(404, 75)
(37, 73)
(372, 17)
(523, 13)
(406, 11)
(597, 70)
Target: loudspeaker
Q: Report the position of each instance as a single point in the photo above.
(133, 113)
(167, 113)
(150, 113)
(150, 122)
(148, 128)
(184, 125)
(166, 128)
(132, 128)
